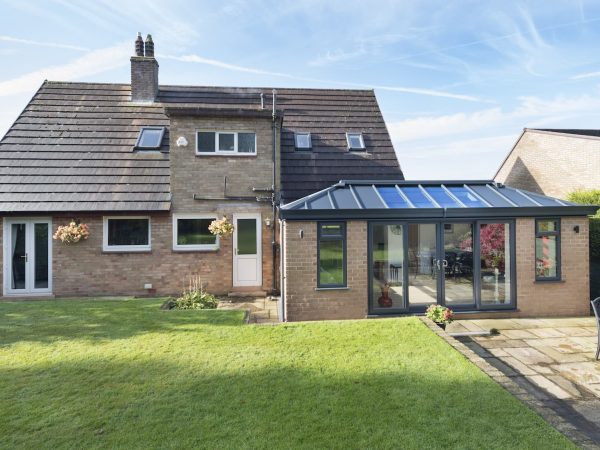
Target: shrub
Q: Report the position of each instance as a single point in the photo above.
(195, 297)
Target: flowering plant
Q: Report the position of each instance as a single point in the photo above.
(74, 232)
(440, 314)
(221, 227)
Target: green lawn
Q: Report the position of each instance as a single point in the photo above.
(123, 374)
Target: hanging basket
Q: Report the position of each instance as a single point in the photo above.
(221, 227)
(72, 233)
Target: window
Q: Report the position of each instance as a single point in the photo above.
(302, 141)
(226, 142)
(190, 232)
(150, 138)
(355, 141)
(126, 234)
(547, 249)
(331, 271)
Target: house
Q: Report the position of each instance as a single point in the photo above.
(553, 162)
(148, 167)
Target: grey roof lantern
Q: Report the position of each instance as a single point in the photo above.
(355, 199)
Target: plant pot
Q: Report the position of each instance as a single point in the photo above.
(441, 325)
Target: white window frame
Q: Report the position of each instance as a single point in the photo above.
(139, 139)
(233, 152)
(362, 140)
(299, 133)
(193, 247)
(125, 248)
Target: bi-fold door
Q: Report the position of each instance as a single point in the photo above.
(27, 257)
(413, 265)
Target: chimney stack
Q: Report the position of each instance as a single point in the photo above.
(144, 72)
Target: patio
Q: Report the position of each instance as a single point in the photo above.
(552, 358)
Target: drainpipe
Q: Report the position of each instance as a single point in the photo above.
(274, 199)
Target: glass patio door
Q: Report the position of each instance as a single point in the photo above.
(457, 266)
(27, 256)
(423, 264)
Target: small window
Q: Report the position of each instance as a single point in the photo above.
(355, 141)
(226, 142)
(150, 138)
(331, 270)
(126, 234)
(190, 232)
(302, 141)
(547, 249)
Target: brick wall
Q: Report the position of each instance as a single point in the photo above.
(144, 79)
(83, 269)
(303, 301)
(552, 164)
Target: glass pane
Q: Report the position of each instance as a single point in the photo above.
(355, 141)
(226, 142)
(392, 197)
(128, 231)
(331, 262)
(246, 143)
(441, 197)
(416, 196)
(466, 197)
(17, 241)
(195, 232)
(41, 256)
(545, 257)
(150, 137)
(422, 271)
(547, 225)
(206, 141)
(332, 229)
(303, 140)
(494, 244)
(387, 251)
(246, 236)
(458, 263)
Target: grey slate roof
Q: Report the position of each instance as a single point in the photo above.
(71, 149)
(427, 199)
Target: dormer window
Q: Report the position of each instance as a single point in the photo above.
(355, 141)
(302, 141)
(232, 143)
(150, 138)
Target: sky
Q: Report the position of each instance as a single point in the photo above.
(456, 81)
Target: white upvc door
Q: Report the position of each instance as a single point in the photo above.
(247, 255)
(27, 255)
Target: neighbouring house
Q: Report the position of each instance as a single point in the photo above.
(148, 167)
(553, 162)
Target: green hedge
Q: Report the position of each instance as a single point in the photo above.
(590, 197)
(595, 237)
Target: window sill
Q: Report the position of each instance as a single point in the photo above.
(111, 251)
(195, 250)
(227, 155)
(333, 288)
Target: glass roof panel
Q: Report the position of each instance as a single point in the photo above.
(441, 197)
(468, 199)
(391, 196)
(416, 196)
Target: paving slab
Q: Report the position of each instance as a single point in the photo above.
(529, 355)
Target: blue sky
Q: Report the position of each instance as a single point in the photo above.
(457, 81)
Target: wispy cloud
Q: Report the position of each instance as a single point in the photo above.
(222, 65)
(337, 56)
(42, 43)
(94, 62)
(585, 75)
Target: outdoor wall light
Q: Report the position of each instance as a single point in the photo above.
(576, 229)
(268, 222)
(182, 141)
(301, 234)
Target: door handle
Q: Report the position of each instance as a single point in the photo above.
(445, 263)
(24, 256)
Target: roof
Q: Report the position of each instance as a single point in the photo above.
(373, 199)
(71, 149)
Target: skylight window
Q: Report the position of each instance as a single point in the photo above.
(355, 141)
(150, 138)
(303, 141)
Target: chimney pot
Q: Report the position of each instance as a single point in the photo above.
(149, 47)
(139, 45)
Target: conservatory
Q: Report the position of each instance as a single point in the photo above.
(362, 248)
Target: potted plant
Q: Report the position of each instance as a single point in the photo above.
(439, 314)
(385, 301)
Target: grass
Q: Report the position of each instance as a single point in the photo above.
(123, 374)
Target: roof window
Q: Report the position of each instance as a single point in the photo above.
(150, 138)
(302, 141)
(355, 141)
